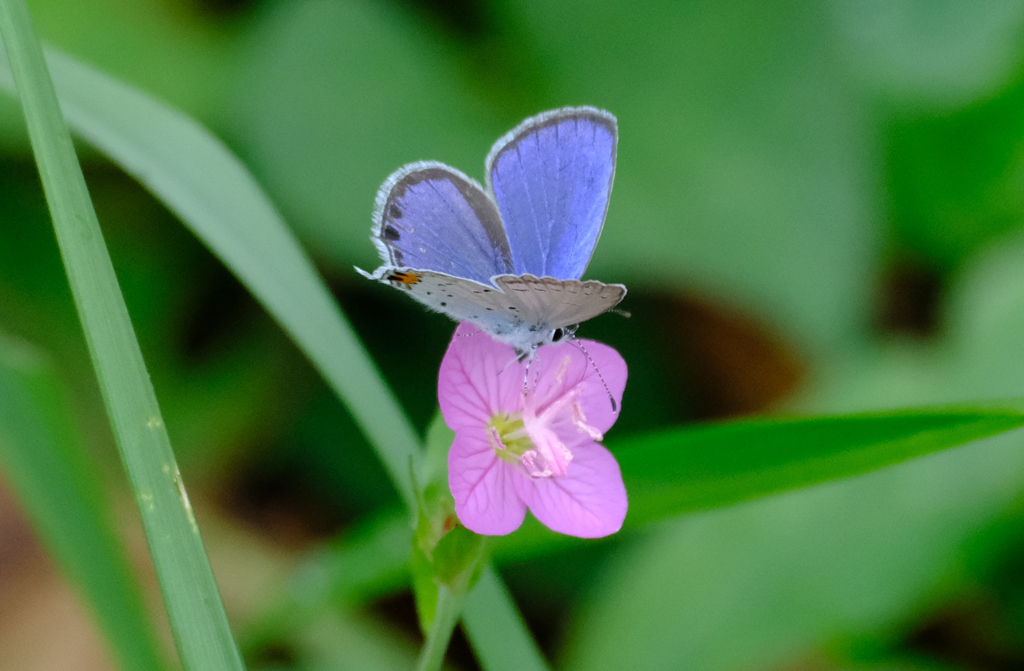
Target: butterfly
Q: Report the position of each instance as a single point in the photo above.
(509, 257)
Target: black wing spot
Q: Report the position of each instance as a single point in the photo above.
(394, 212)
(428, 293)
(443, 304)
(489, 309)
(390, 233)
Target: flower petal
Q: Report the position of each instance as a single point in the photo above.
(486, 500)
(560, 368)
(476, 380)
(589, 502)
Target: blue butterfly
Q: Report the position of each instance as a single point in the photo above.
(507, 258)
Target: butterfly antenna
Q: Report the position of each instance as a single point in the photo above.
(615, 406)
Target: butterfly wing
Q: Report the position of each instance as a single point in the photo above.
(551, 177)
(519, 310)
(432, 217)
(551, 303)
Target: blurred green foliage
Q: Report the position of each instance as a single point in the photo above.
(817, 208)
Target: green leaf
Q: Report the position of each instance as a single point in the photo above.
(763, 584)
(342, 641)
(937, 54)
(196, 176)
(953, 179)
(194, 606)
(496, 629)
(458, 558)
(708, 467)
(699, 468)
(45, 463)
(367, 562)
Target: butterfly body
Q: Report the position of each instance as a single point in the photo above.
(507, 258)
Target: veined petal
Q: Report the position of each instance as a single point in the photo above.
(589, 502)
(561, 368)
(476, 380)
(594, 402)
(486, 500)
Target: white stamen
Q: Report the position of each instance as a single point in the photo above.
(579, 419)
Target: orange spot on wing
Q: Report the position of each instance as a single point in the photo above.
(406, 278)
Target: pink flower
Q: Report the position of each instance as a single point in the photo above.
(520, 446)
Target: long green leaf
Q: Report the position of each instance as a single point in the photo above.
(45, 463)
(496, 629)
(709, 467)
(698, 468)
(201, 181)
(194, 607)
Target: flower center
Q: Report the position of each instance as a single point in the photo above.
(530, 441)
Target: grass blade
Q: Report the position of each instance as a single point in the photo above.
(194, 607)
(49, 471)
(712, 466)
(683, 470)
(201, 181)
(496, 630)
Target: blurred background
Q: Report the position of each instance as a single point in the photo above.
(818, 207)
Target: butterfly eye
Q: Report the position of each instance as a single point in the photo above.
(557, 335)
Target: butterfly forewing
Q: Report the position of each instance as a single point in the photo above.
(552, 177)
(512, 304)
(432, 217)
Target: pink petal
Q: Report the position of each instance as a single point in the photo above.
(486, 500)
(560, 368)
(476, 380)
(594, 398)
(589, 502)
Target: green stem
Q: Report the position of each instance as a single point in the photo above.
(194, 607)
(449, 606)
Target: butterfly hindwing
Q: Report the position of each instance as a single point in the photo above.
(552, 177)
(433, 217)
(513, 305)
(558, 303)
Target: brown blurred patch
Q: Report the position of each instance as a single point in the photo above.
(43, 626)
(737, 365)
(970, 633)
(910, 295)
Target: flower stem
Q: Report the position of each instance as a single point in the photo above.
(449, 607)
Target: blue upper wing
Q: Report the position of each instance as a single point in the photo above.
(551, 177)
(432, 217)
